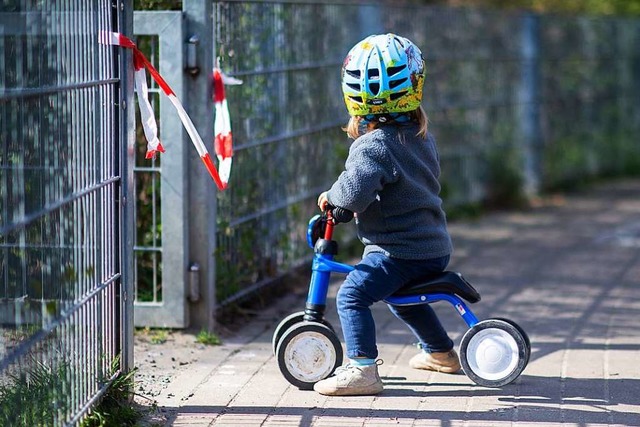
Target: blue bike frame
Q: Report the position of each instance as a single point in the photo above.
(323, 265)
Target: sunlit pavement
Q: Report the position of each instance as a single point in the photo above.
(567, 270)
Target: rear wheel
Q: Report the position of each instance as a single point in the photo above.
(494, 352)
(522, 332)
(308, 352)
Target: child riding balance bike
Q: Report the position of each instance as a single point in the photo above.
(391, 182)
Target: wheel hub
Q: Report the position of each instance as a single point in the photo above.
(495, 353)
(310, 356)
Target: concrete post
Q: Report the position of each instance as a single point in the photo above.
(198, 15)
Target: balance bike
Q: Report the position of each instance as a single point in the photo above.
(493, 352)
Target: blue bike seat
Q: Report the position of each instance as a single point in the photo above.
(447, 282)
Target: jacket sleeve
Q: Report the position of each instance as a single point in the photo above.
(367, 169)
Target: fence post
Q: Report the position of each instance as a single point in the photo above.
(528, 101)
(202, 205)
(127, 142)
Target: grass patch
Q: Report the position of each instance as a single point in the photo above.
(155, 336)
(207, 338)
(159, 337)
(40, 395)
(116, 406)
(37, 396)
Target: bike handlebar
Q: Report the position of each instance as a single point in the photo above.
(340, 215)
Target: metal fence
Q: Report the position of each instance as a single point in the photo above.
(589, 98)
(518, 103)
(286, 118)
(63, 247)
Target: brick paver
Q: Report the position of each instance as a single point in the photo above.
(567, 272)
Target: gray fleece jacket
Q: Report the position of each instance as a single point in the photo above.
(392, 185)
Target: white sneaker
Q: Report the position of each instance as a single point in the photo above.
(351, 380)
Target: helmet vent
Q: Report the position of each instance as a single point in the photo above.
(395, 83)
(400, 42)
(353, 73)
(373, 73)
(354, 86)
(374, 87)
(356, 99)
(398, 95)
(395, 70)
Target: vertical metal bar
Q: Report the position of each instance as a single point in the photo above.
(4, 179)
(154, 244)
(101, 271)
(126, 148)
(19, 186)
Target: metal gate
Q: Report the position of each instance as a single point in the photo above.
(161, 185)
(64, 306)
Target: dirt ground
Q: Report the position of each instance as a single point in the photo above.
(161, 355)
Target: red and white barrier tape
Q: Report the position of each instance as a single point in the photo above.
(140, 62)
(222, 127)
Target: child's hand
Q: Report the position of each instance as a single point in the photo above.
(323, 201)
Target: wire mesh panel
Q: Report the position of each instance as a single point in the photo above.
(148, 206)
(516, 102)
(289, 112)
(286, 123)
(474, 64)
(60, 223)
(589, 98)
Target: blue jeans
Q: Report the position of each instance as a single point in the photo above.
(376, 277)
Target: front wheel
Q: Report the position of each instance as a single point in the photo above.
(286, 323)
(307, 353)
(494, 352)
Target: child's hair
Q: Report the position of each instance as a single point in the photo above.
(356, 124)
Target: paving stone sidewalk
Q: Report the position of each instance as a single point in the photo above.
(568, 271)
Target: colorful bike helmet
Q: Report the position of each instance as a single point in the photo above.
(383, 74)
